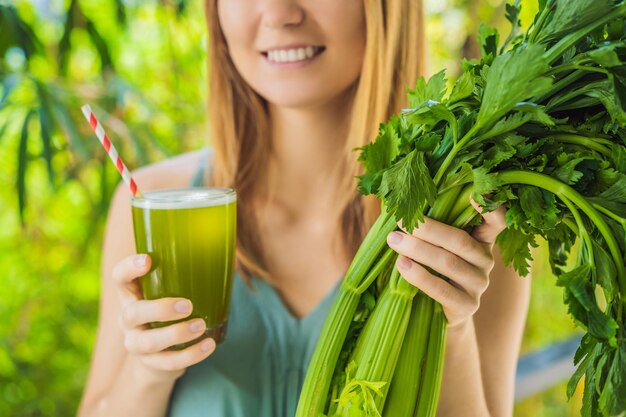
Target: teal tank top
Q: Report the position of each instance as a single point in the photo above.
(259, 369)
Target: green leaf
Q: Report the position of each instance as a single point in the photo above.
(591, 352)
(607, 94)
(512, 14)
(67, 125)
(502, 150)
(120, 14)
(181, 6)
(567, 173)
(560, 241)
(370, 182)
(484, 183)
(431, 113)
(569, 16)
(507, 124)
(618, 155)
(590, 397)
(64, 47)
(9, 82)
(427, 142)
(379, 154)
(537, 113)
(605, 273)
(406, 188)
(4, 128)
(551, 211)
(606, 55)
(539, 207)
(22, 161)
(488, 39)
(617, 191)
(46, 129)
(614, 197)
(101, 45)
(522, 72)
(17, 33)
(587, 346)
(531, 201)
(463, 175)
(583, 306)
(612, 398)
(515, 247)
(464, 123)
(463, 88)
(433, 90)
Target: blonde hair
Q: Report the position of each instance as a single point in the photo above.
(394, 59)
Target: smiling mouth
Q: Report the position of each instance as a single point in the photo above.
(293, 54)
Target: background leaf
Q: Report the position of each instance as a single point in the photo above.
(21, 168)
(50, 264)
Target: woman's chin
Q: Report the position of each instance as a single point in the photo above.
(301, 98)
(298, 101)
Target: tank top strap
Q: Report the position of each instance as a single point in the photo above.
(204, 169)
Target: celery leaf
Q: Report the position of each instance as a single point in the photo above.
(514, 77)
(433, 90)
(407, 187)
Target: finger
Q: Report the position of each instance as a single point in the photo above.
(493, 223)
(453, 240)
(126, 272)
(173, 360)
(465, 275)
(142, 312)
(450, 297)
(156, 340)
(436, 288)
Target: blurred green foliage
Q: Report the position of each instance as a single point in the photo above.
(141, 66)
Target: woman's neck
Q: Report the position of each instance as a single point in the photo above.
(308, 145)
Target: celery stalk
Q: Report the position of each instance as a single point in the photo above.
(377, 350)
(431, 386)
(314, 396)
(404, 389)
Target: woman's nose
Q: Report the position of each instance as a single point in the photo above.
(282, 13)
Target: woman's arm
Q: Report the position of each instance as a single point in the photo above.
(115, 386)
(481, 356)
(118, 383)
(499, 325)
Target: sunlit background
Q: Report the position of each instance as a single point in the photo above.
(141, 66)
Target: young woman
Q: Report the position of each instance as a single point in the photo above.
(295, 86)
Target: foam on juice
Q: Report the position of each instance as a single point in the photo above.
(171, 199)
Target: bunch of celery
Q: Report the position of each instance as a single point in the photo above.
(539, 125)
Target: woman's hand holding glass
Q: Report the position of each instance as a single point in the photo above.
(150, 345)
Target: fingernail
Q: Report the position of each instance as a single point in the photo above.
(196, 326)
(140, 261)
(394, 238)
(404, 263)
(183, 306)
(207, 345)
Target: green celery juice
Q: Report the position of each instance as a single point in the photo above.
(190, 235)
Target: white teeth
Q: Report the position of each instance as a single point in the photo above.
(291, 55)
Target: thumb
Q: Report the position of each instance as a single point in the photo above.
(493, 223)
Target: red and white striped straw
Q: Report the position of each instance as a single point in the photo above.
(108, 146)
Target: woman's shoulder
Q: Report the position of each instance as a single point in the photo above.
(174, 172)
